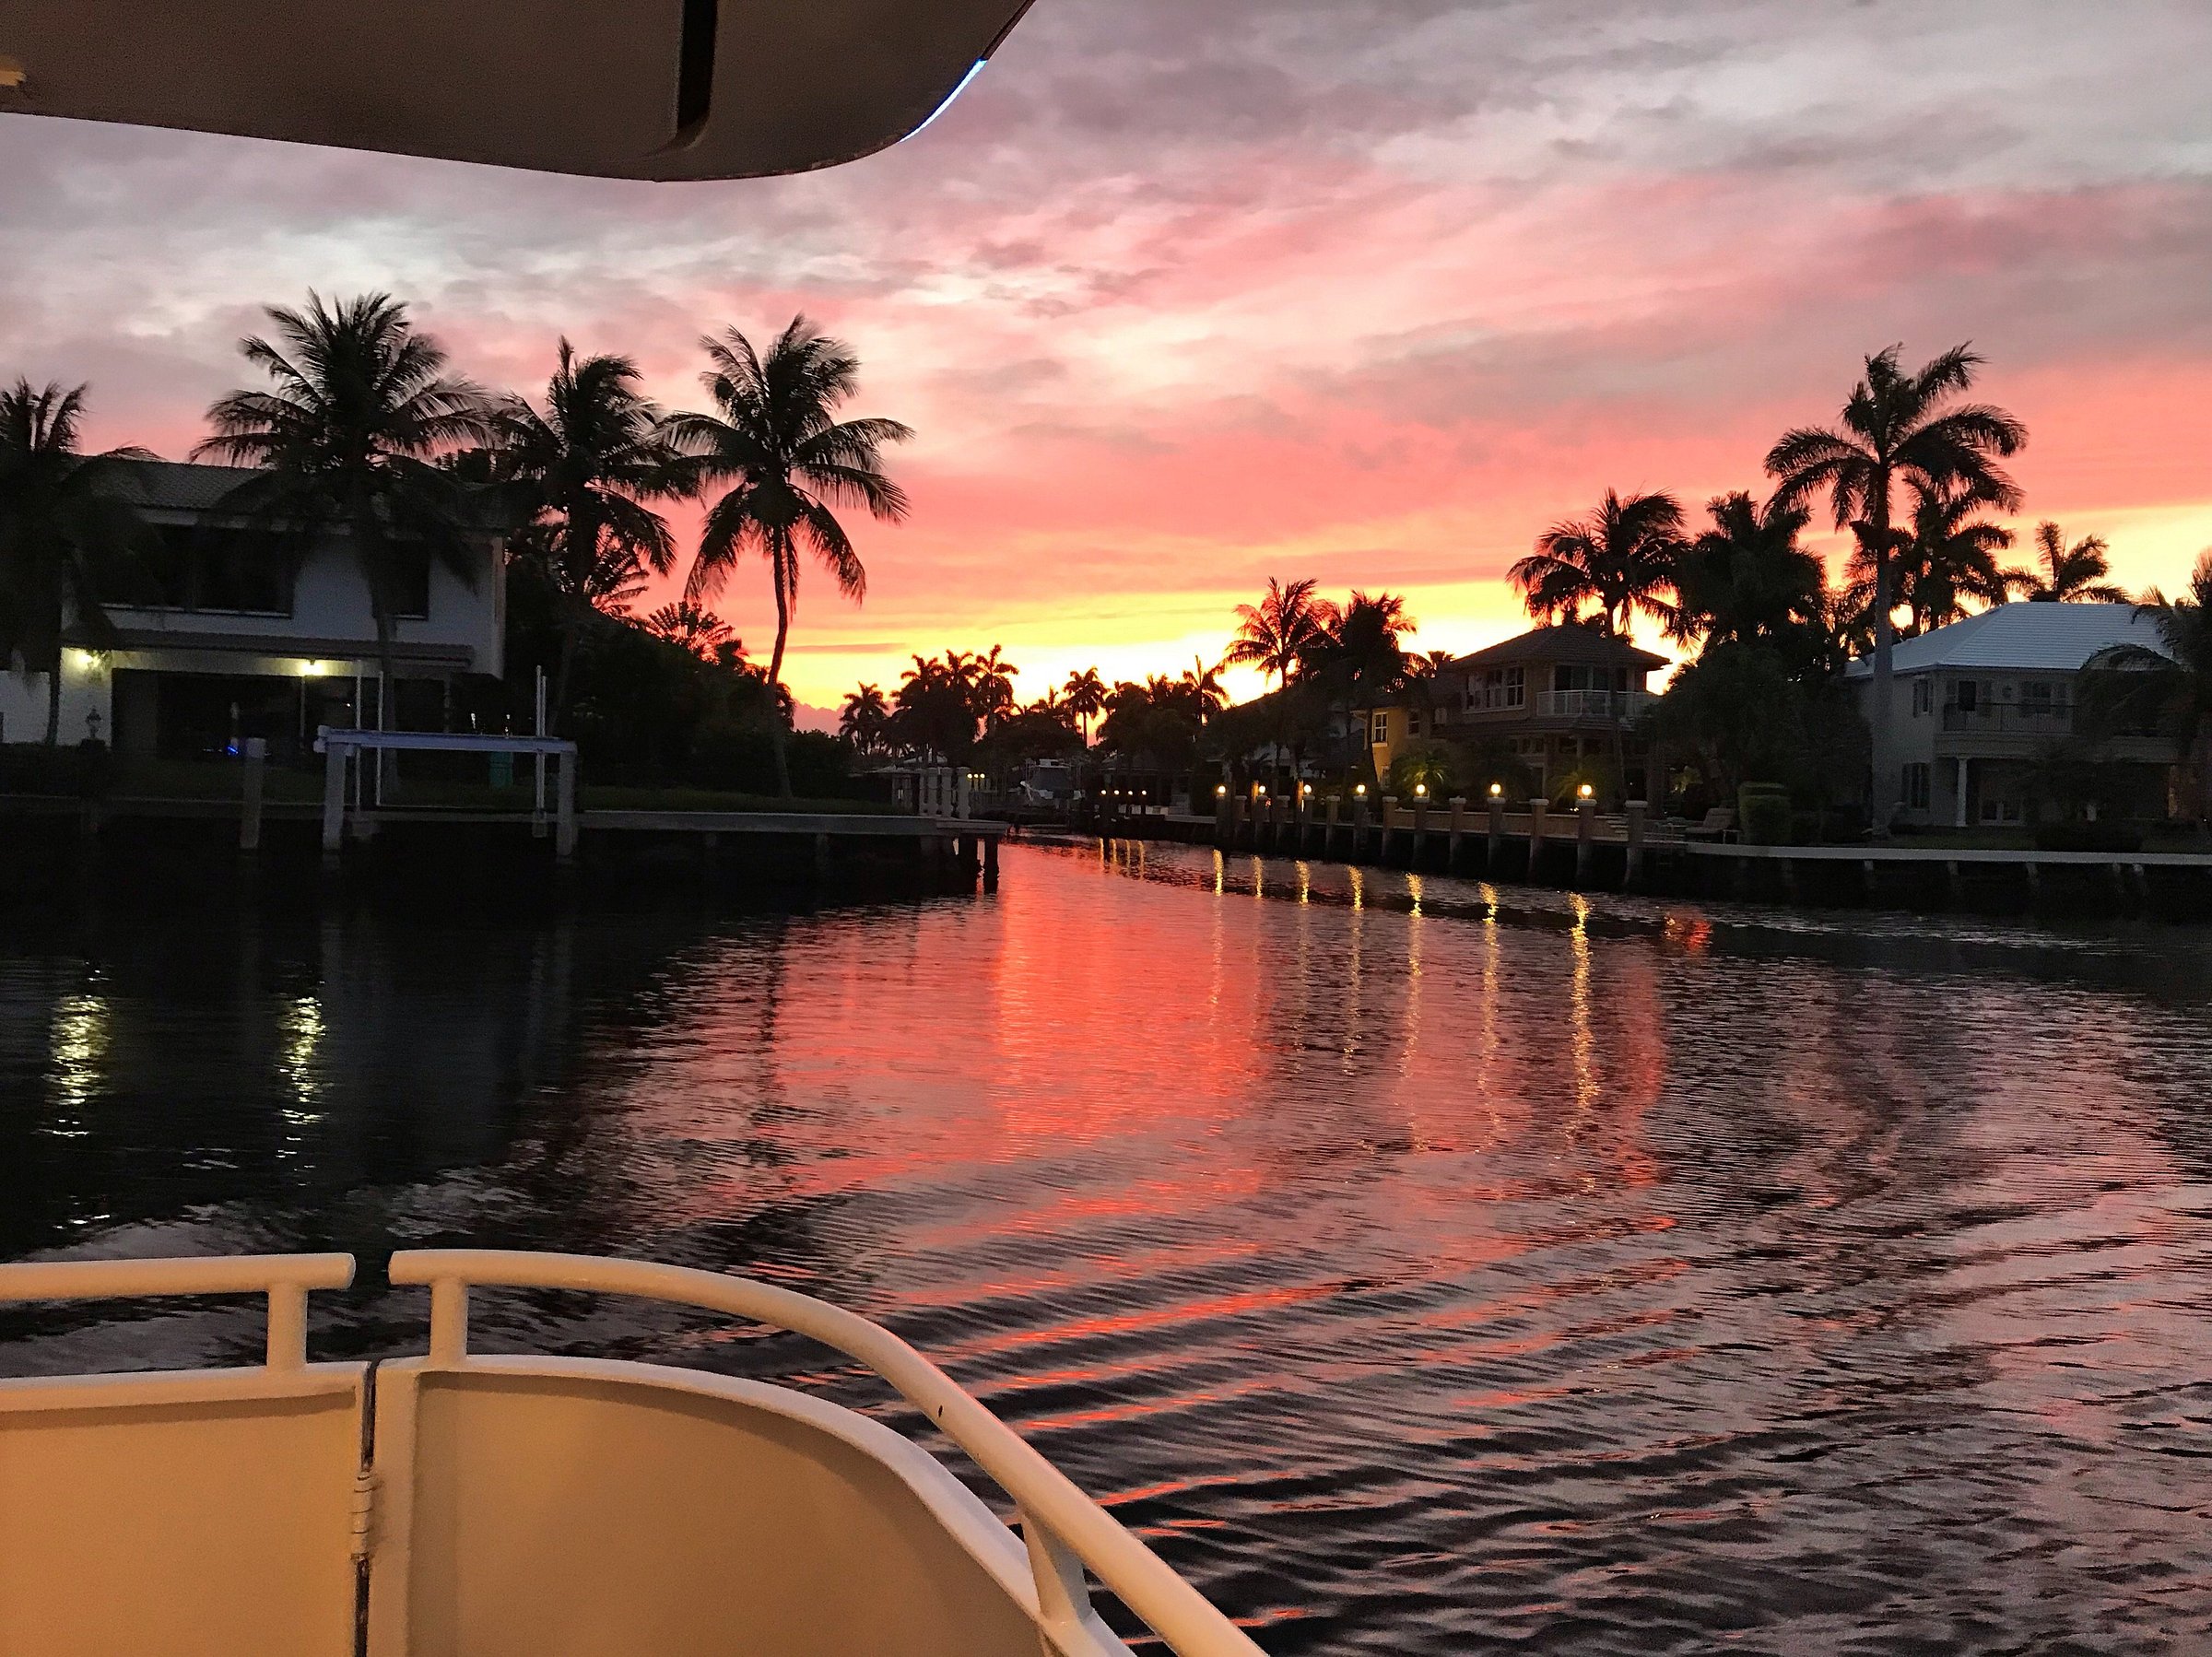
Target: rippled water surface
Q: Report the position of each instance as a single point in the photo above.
(1420, 1268)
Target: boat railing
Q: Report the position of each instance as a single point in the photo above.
(284, 1279)
(1063, 1529)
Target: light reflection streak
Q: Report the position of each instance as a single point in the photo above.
(79, 1046)
(303, 1029)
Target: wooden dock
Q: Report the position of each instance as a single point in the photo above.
(1585, 850)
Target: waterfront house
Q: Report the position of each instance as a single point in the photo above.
(1979, 708)
(226, 634)
(1559, 698)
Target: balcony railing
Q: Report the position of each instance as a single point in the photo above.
(1569, 704)
(2001, 719)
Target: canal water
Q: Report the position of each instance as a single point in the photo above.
(1420, 1266)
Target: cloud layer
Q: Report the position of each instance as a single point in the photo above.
(1183, 295)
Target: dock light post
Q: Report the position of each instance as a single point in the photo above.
(1420, 823)
(1359, 821)
(1585, 831)
(1459, 824)
(1537, 809)
(1495, 845)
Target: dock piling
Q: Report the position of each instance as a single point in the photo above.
(249, 816)
(1585, 831)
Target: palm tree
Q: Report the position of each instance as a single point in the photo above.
(1898, 425)
(582, 470)
(1747, 579)
(1087, 696)
(991, 682)
(1949, 557)
(2068, 574)
(349, 439)
(1367, 650)
(701, 632)
(65, 527)
(776, 440)
(1203, 685)
(866, 714)
(1278, 633)
(2173, 691)
(1619, 559)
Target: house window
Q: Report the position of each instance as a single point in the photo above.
(1999, 811)
(1917, 776)
(230, 571)
(1924, 697)
(1413, 721)
(2035, 695)
(1512, 688)
(1968, 695)
(1378, 728)
(411, 582)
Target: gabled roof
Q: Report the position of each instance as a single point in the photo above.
(1580, 646)
(2027, 637)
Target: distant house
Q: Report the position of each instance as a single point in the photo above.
(1976, 707)
(1557, 697)
(224, 636)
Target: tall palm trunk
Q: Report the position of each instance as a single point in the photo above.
(387, 688)
(779, 569)
(54, 700)
(1882, 800)
(571, 628)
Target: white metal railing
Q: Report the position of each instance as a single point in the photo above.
(284, 1279)
(1063, 1530)
(1596, 704)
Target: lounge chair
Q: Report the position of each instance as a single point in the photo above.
(1719, 825)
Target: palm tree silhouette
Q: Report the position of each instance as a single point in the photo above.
(1898, 425)
(866, 713)
(1620, 558)
(582, 470)
(349, 438)
(1747, 579)
(776, 441)
(701, 632)
(2170, 691)
(1278, 633)
(65, 529)
(1203, 685)
(1087, 694)
(1949, 557)
(2068, 574)
(992, 686)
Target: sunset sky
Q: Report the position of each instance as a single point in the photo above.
(1179, 296)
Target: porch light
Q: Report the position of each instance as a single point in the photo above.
(313, 669)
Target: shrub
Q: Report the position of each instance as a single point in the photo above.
(1762, 814)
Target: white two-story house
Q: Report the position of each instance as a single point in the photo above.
(222, 637)
(1975, 709)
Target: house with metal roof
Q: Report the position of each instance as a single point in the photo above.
(225, 633)
(1977, 709)
(1560, 699)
